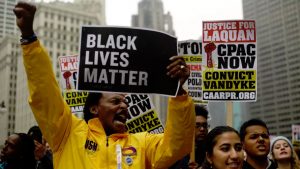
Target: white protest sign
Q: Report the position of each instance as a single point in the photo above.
(191, 50)
(229, 60)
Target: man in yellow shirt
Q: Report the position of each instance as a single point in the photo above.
(102, 142)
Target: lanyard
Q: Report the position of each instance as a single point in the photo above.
(119, 156)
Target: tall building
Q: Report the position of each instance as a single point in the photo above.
(7, 18)
(94, 7)
(8, 67)
(278, 51)
(151, 15)
(57, 25)
(9, 55)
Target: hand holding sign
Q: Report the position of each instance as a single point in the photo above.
(178, 69)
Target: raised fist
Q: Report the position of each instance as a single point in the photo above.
(25, 15)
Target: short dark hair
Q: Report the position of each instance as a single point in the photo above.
(91, 100)
(211, 141)
(36, 133)
(26, 149)
(251, 122)
(201, 111)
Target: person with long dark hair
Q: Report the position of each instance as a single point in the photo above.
(224, 149)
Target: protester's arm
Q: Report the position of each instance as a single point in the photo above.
(51, 112)
(178, 136)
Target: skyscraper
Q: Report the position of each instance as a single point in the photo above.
(278, 44)
(8, 67)
(7, 18)
(151, 15)
(9, 55)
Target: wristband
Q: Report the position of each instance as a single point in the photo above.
(28, 39)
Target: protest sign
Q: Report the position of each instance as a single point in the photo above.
(296, 135)
(68, 69)
(229, 60)
(75, 100)
(142, 115)
(191, 50)
(126, 60)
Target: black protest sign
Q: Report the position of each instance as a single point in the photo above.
(130, 60)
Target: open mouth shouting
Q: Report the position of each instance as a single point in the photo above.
(120, 120)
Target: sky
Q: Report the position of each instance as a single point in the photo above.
(187, 14)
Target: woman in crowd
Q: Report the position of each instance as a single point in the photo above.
(283, 153)
(224, 149)
(18, 152)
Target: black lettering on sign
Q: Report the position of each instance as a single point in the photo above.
(90, 145)
(74, 101)
(157, 130)
(229, 84)
(184, 46)
(236, 50)
(137, 109)
(229, 75)
(76, 94)
(195, 93)
(234, 62)
(194, 81)
(194, 48)
(140, 120)
(75, 78)
(134, 98)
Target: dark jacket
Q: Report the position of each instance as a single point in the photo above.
(199, 158)
(46, 162)
(248, 166)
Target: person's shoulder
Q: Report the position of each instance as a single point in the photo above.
(272, 165)
(137, 135)
(143, 136)
(3, 165)
(246, 165)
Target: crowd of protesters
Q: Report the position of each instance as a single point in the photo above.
(101, 140)
(223, 147)
(26, 151)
